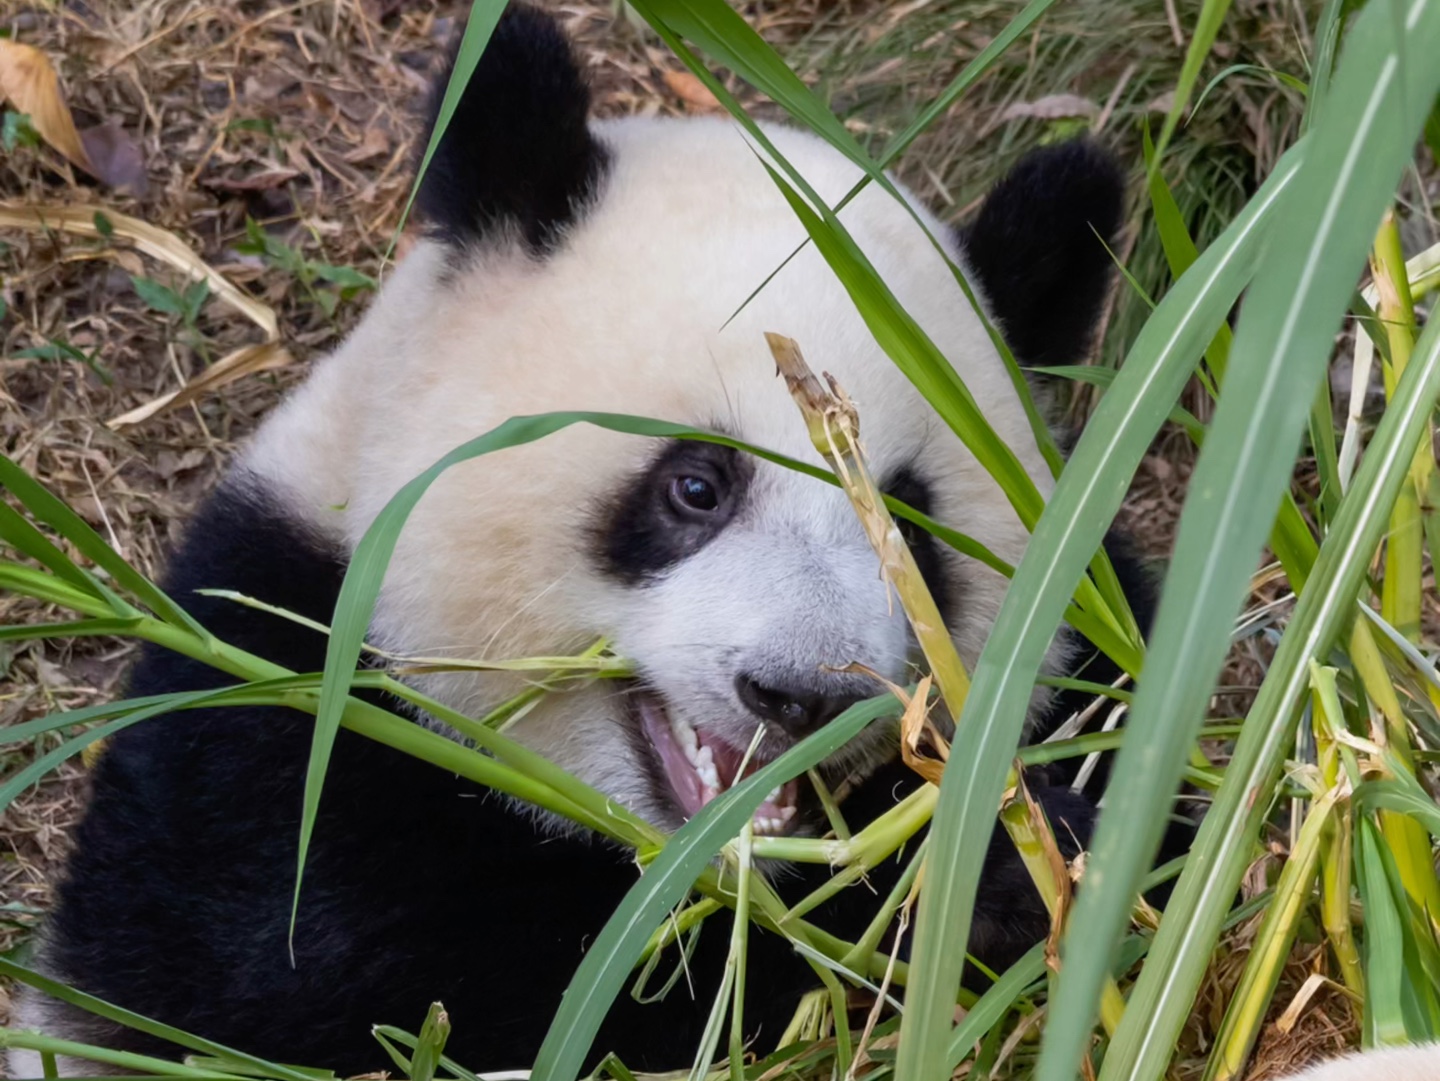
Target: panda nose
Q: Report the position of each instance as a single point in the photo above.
(797, 710)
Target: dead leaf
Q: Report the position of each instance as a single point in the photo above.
(115, 157)
(1051, 107)
(242, 362)
(150, 239)
(688, 88)
(28, 81)
(373, 144)
(274, 176)
(919, 734)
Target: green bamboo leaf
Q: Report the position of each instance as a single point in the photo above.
(1084, 502)
(53, 512)
(32, 772)
(1384, 1019)
(84, 628)
(1353, 159)
(997, 1001)
(1207, 26)
(1103, 378)
(606, 967)
(484, 17)
(123, 1063)
(26, 539)
(140, 1023)
(1400, 793)
(718, 29)
(19, 733)
(33, 582)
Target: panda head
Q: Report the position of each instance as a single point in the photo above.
(577, 264)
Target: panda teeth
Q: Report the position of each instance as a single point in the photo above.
(704, 762)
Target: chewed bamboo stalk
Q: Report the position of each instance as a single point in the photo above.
(834, 427)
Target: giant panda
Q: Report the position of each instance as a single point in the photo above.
(570, 263)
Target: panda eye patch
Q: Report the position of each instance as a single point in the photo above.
(681, 501)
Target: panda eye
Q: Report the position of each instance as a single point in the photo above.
(692, 495)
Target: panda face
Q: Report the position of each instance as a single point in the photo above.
(740, 589)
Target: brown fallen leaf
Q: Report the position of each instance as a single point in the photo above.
(274, 176)
(29, 83)
(242, 362)
(1051, 107)
(152, 240)
(372, 144)
(688, 88)
(115, 157)
(169, 248)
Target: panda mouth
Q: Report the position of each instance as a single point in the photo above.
(699, 765)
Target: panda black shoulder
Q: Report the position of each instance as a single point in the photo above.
(245, 540)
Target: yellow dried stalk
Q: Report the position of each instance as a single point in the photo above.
(1400, 598)
(1336, 853)
(1402, 588)
(834, 427)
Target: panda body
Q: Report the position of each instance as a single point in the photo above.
(570, 265)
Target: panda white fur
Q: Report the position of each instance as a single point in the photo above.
(1421, 1063)
(570, 264)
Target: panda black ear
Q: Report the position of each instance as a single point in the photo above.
(1036, 248)
(517, 152)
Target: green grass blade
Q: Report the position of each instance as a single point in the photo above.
(1085, 500)
(1401, 793)
(484, 17)
(1327, 41)
(53, 512)
(1161, 999)
(1384, 1020)
(998, 999)
(25, 538)
(606, 967)
(84, 628)
(33, 771)
(1207, 26)
(43, 586)
(19, 733)
(914, 353)
(140, 1023)
(721, 31)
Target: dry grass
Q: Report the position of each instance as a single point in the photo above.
(299, 115)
